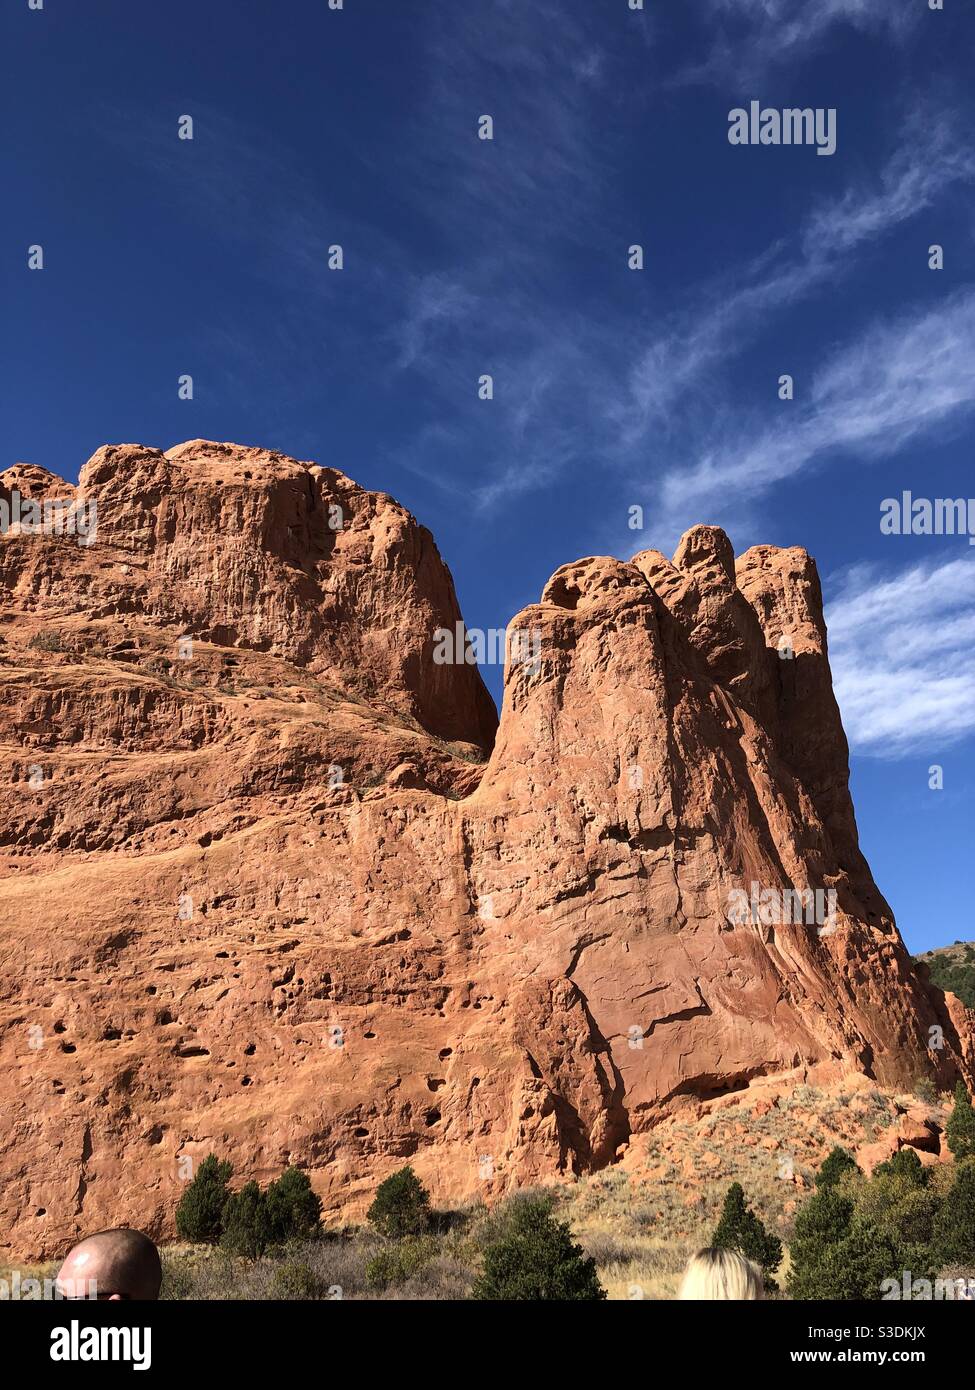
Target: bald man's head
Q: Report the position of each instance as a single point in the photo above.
(122, 1264)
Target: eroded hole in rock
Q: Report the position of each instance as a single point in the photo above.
(445, 1052)
(432, 1117)
(245, 1081)
(68, 1047)
(250, 1049)
(564, 593)
(615, 832)
(369, 1035)
(59, 1027)
(360, 1133)
(434, 1083)
(657, 838)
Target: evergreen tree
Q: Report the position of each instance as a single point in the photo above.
(954, 1227)
(821, 1224)
(910, 1226)
(740, 1229)
(960, 1129)
(294, 1209)
(836, 1165)
(201, 1205)
(854, 1269)
(904, 1164)
(401, 1206)
(537, 1261)
(246, 1223)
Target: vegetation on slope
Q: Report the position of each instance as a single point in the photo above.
(953, 968)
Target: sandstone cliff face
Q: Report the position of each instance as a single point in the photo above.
(274, 895)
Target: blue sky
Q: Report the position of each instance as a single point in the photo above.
(613, 387)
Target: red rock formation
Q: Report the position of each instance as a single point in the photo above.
(270, 896)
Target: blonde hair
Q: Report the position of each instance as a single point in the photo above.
(714, 1273)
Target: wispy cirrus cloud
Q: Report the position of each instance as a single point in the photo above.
(901, 378)
(902, 650)
(734, 307)
(543, 72)
(599, 386)
(539, 424)
(434, 304)
(579, 386)
(751, 37)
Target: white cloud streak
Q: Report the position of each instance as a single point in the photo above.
(750, 38)
(903, 657)
(733, 309)
(900, 379)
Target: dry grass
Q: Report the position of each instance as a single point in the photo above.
(640, 1221)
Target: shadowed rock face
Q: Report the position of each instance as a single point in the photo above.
(277, 898)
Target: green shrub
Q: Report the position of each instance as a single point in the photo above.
(297, 1282)
(904, 1164)
(926, 1090)
(500, 1221)
(400, 1262)
(294, 1209)
(401, 1206)
(537, 1261)
(909, 1224)
(836, 1165)
(851, 1237)
(960, 1129)
(873, 1200)
(821, 1224)
(855, 1268)
(740, 1229)
(954, 1228)
(955, 974)
(246, 1225)
(201, 1205)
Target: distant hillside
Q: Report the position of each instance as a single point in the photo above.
(953, 967)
